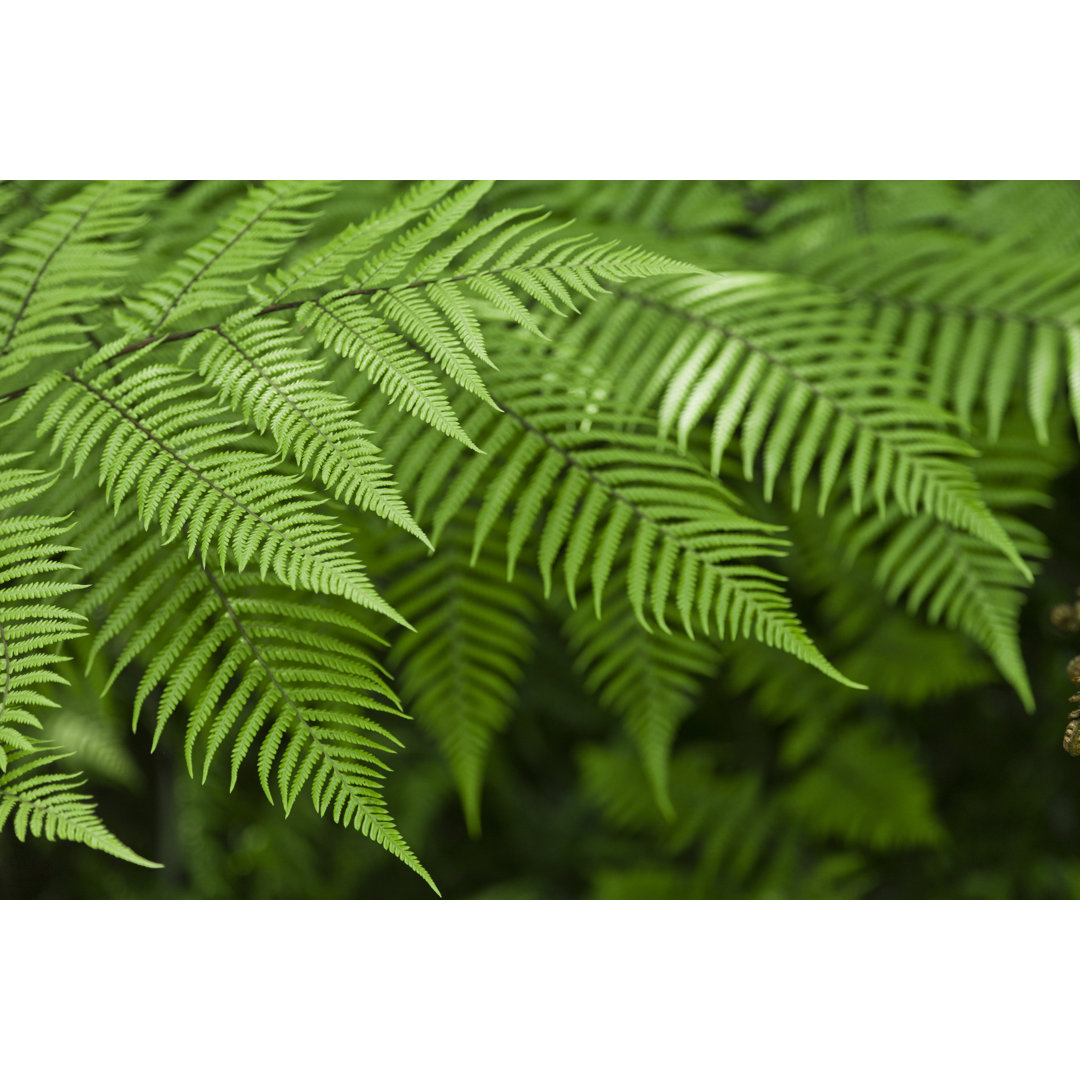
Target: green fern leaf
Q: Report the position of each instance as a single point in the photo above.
(982, 320)
(162, 441)
(649, 681)
(597, 478)
(32, 625)
(214, 273)
(257, 664)
(785, 365)
(460, 670)
(62, 268)
(49, 804)
(260, 370)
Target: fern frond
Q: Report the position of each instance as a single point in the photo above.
(62, 267)
(783, 364)
(260, 369)
(459, 672)
(32, 625)
(331, 262)
(801, 218)
(649, 681)
(161, 440)
(256, 664)
(954, 579)
(1043, 214)
(214, 273)
(96, 747)
(399, 370)
(416, 300)
(39, 802)
(585, 479)
(981, 320)
(868, 790)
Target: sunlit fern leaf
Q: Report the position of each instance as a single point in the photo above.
(867, 790)
(584, 478)
(255, 234)
(330, 262)
(416, 300)
(40, 802)
(59, 271)
(33, 626)
(162, 440)
(982, 321)
(784, 365)
(459, 672)
(261, 370)
(649, 681)
(391, 363)
(289, 681)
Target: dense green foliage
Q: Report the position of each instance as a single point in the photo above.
(669, 539)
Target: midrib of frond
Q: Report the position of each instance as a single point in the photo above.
(318, 301)
(595, 478)
(7, 669)
(935, 307)
(45, 266)
(202, 477)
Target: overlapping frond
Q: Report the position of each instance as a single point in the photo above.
(459, 672)
(782, 364)
(162, 440)
(649, 681)
(981, 321)
(287, 680)
(33, 625)
(584, 479)
(415, 299)
(41, 802)
(60, 269)
(256, 233)
(951, 578)
(260, 368)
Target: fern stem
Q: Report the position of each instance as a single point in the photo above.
(292, 305)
